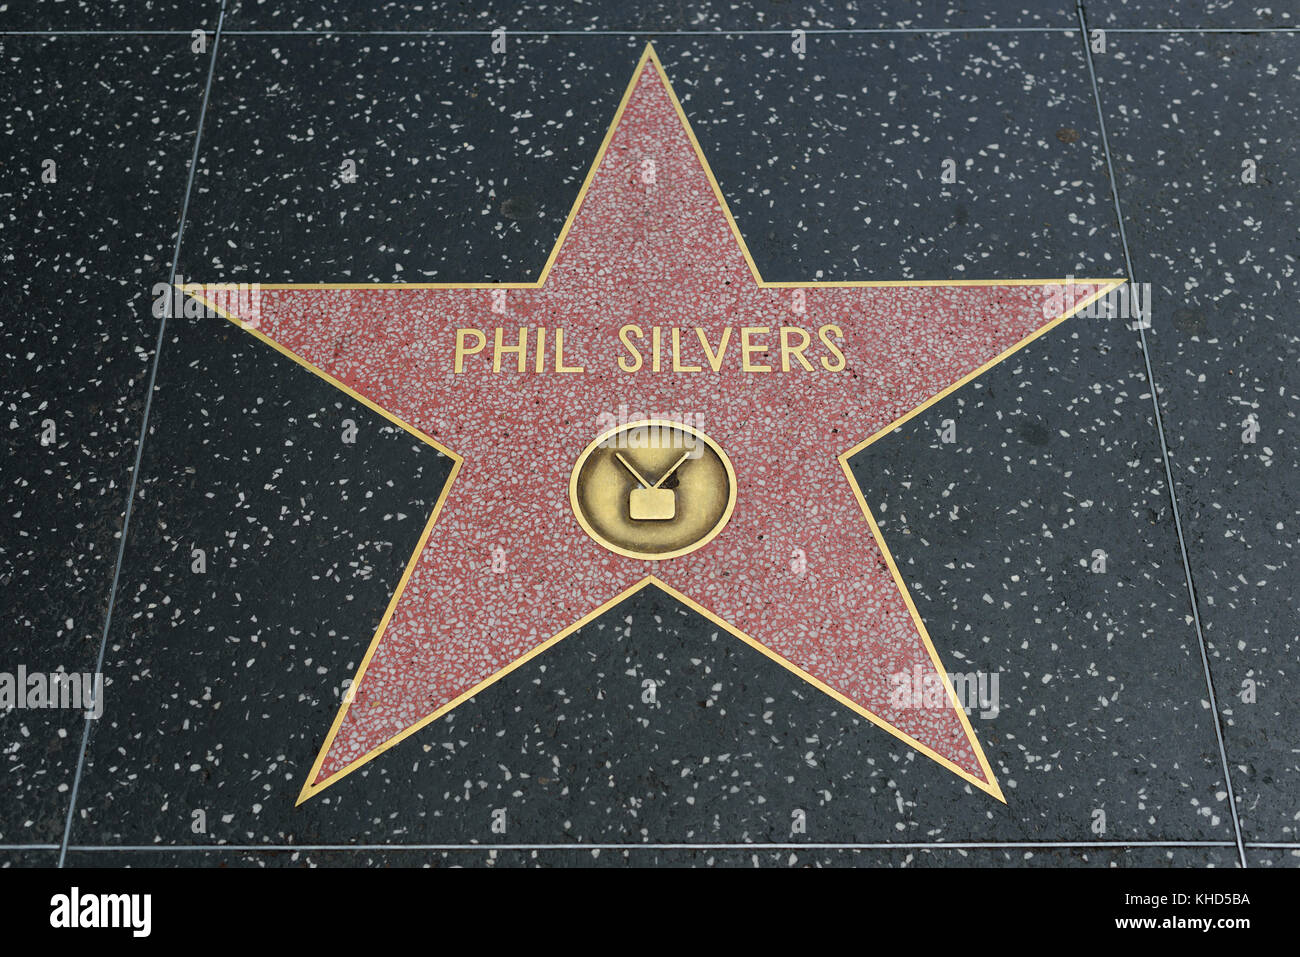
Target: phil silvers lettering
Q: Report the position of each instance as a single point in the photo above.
(637, 348)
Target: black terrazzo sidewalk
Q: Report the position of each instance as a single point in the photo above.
(219, 686)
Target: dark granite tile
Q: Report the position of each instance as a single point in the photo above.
(1274, 856)
(26, 857)
(230, 670)
(840, 182)
(1184, 113)
(1102, 692)
(80, 257)
(1052, 858)
(465, 169)
(1246, 14)
(109, 15)
(660, 15)
(833, 163)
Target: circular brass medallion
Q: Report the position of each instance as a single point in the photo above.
(653, 489)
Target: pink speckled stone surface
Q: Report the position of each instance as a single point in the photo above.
(663, 254)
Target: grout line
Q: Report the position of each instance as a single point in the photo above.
(632, 33)
(636, 34)
(29, 847)
(102, 33)
(144, 432)
(665, 846)
(881, 845)
(1200, 29)
(1164, 447)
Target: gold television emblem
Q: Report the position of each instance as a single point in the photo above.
(653, 489)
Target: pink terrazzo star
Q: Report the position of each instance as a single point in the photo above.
(506, 569)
